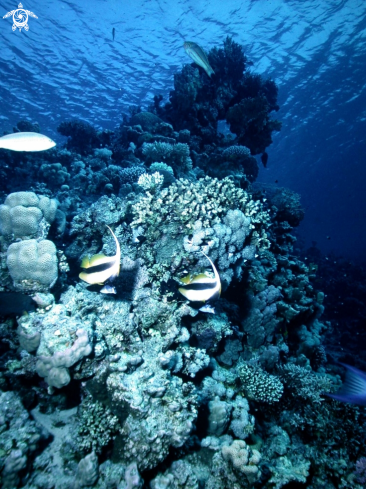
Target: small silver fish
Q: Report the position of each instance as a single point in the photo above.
(26, 141)
(207, 309)
(199, 56)
(108, 289)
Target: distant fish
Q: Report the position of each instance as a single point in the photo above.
(201, 287)
(26, 141)
(113, 32)
(100, 268)
(207, 309)
(199, 56)
(354, 388)
(108, 289)
(264, 159)
(15, 304)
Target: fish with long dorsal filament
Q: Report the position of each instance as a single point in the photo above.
(26, 141)
(100, 268)
(199, 56)
(201, 287)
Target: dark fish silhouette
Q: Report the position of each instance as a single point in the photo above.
(113, 32)
(264, 159)
(353, 389)
(15, 304)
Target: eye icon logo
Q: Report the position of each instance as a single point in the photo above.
(20, 18)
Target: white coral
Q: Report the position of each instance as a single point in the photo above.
(150, 182)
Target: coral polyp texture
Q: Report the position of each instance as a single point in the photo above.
(22, 213)
(32, 264)
(129, 383)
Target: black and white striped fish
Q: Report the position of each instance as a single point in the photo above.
(201, 287)
(100, 268)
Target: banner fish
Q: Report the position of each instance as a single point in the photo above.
(199, 56)
(26, 141)
(201, 287)
(100, 268)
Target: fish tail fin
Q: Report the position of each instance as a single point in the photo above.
(353, 389)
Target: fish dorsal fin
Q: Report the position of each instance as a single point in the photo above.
(98, 259)
(202, 278)
(85, 262)
(186, 280)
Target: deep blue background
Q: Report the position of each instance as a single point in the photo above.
(67, 65)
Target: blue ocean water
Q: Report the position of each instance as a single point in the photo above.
(68, 65)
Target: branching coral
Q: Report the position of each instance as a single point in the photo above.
(303, 383)
(96, 427)
(176, 155)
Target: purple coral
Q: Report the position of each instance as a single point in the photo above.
(360, 471)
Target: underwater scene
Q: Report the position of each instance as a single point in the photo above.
(182, 244)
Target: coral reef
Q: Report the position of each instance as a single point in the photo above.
(243, 99)
(32, 265)
(139, 387)
(25, 215)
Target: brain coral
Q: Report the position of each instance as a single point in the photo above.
(32, 265)
(22, 212)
